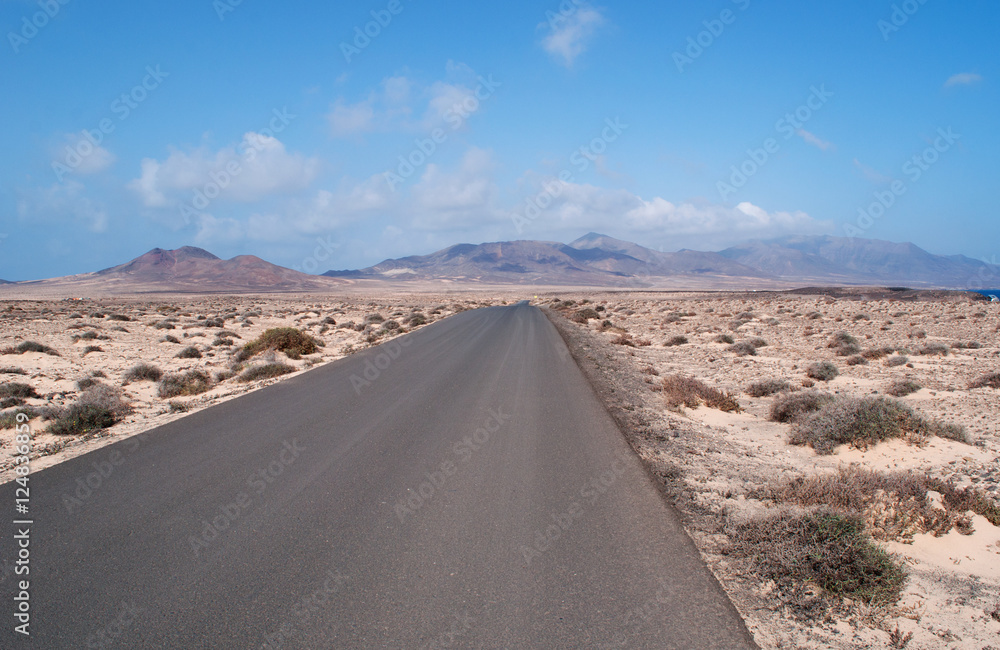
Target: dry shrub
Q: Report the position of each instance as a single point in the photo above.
(894, 505)
(934, 349)
(822, 371)
(743, 349)
(873, 354)
(586, 314)
(289, 340)
(675, 340)
(767, 387)
(690, 392)
(97, 408)
(624, 339)
(791, 407)
(192, 382)
(897, 360)
(265, 371)
(856, 360)
(902, 388)
(990, 380)
(143, 372)
(843, 344)
(823, 547)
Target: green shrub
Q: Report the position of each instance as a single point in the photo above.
(824, 547)
(8, 419)
(866, 421)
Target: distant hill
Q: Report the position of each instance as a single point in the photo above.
(186, 270)
(854, 260)
(594, 260)
(599, 260)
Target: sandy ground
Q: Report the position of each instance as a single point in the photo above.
(710, 461)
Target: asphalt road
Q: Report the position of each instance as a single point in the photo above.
(457, 487)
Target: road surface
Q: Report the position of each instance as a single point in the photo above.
(457, 487)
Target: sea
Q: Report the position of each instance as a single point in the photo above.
(989, 292)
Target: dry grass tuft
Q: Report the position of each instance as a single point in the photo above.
(687, 391)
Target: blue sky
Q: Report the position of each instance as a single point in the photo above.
(287, 131)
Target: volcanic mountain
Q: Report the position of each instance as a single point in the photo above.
(600, 260)
(187, 270)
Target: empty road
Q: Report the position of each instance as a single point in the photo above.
(460, 487)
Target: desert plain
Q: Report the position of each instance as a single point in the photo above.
(710, 390)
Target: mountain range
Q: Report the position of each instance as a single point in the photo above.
(599, 260)
(594, 260)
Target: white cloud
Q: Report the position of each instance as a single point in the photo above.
(963, 79)
(351, 119)
(324, 212)
(571, 34)
(403, 104)
(465, 197)
(79, 153)
(814, 140)
(256, 168)
(61, 200)
(581, 207)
